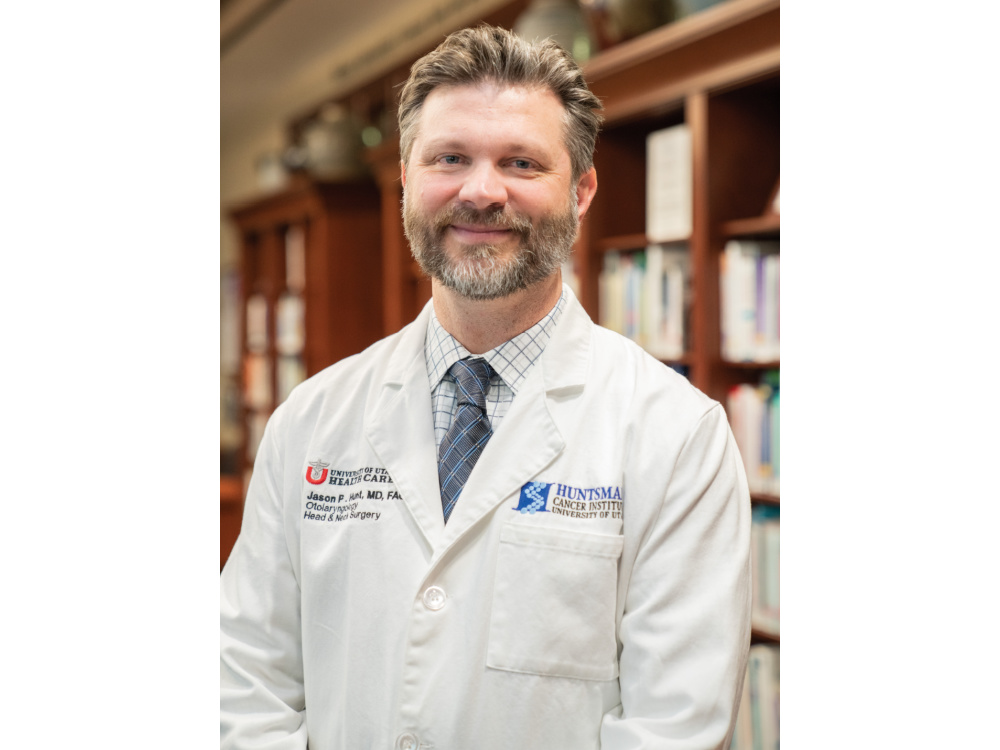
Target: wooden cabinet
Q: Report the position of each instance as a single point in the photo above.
(311, 278)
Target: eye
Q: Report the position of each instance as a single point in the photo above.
(522, 163)
(450, 159)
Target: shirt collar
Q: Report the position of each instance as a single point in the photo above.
(511, 360)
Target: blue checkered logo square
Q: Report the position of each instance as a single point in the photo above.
(534, 498)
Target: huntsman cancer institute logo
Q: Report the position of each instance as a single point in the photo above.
(601, 502)
(317, 467)
(534, 498)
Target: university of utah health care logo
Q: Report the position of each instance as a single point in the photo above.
(317, 467)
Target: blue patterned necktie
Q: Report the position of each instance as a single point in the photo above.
(469, 432)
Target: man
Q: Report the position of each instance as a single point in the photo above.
(503, 526)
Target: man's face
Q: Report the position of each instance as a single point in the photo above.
(489, 206)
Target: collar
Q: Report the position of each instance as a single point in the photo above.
(511, 360)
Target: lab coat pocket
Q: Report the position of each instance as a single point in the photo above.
(554, 603)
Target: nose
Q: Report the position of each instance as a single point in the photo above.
(483, 187)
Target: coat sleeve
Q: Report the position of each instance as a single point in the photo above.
(685, 627)
(262, 694)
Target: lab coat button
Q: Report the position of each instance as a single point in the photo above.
(434, 598)
(406, 741)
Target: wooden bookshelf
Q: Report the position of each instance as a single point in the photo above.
(767, 225)
(337, 285)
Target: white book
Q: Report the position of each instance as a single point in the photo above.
(295, 258)
(675, 306)
(745, 415)
(774, 414)
(765, 542)
(652, 302)
(666, 289)
(257, 381)
(606, 292)
(754, 407)
(745, 302)
(772, 555)
(631, 303)
(770, 348)
(668, 184)
(726, 326)
(256, 314)
(290, 324)
(736, 296)
(764, 696)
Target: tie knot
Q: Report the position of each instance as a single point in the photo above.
(473, 376)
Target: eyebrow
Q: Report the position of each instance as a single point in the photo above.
(455, 144)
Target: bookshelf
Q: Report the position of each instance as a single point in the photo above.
(718, 73)
(311, 269)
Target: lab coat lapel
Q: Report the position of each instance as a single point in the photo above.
(528, 439)
(400, 430)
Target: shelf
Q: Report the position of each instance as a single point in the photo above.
(764, 499)
(763, 636)
(772, 365)
(768, 225)
(622, 243)
(731, 43)
(630, 242)
(231, 490)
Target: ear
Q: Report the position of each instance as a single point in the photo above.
(402, 172)
(585, 190)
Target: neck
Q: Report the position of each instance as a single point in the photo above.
(481, 325)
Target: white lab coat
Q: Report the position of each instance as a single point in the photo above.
(616, 615)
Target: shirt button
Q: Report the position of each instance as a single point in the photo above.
(406, 741)
(434, 598)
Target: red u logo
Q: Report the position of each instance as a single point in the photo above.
(322, 475)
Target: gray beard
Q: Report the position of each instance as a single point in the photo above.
(481, 274)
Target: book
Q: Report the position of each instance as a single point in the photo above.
(668, 184)
(645, 295)
(667, 291)
(749, 286)
(765, 550)
(754, 418)
(757, 724)
(295, 259)
(290, 324)
(257, 381)
(764, 696)
(256, 322)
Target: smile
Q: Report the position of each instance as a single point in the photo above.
(475, 235)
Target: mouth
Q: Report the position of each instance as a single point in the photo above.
(473, 234)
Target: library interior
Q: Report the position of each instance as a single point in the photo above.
(679, 251)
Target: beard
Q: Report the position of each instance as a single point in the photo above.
(481, 271)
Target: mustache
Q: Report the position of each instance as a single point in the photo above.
(498, 217)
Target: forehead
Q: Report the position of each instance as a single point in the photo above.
(533, 114)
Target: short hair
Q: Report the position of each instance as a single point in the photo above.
(491, 54)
